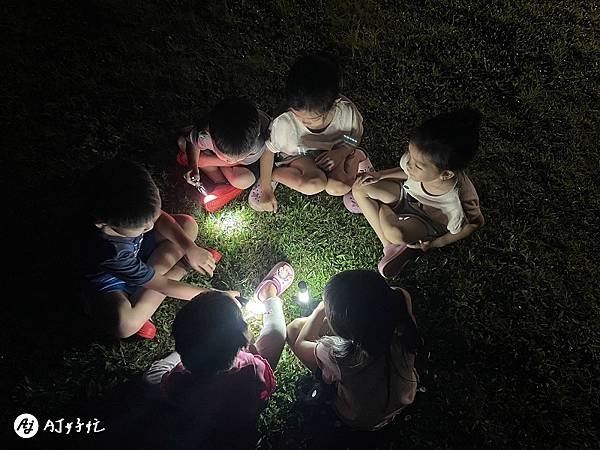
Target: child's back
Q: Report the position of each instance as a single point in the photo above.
(370, 352)
(371, 390)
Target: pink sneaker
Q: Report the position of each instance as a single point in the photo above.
(395, 258)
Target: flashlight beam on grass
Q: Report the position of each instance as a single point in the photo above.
(229, 223)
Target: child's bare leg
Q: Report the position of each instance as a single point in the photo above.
(115, 312)
(370, 199)
(167, 254)
(398, 231)
(181, 144)
(239, 177)
(302, 175)
(214, 173)
(341, 178)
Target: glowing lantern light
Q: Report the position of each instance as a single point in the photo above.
(303, 296)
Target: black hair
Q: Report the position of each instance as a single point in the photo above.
(234, 125)
(209, 331)
(121, 194)
(313, 83)
(365, 310)
(450, 139)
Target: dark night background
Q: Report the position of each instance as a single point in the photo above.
(510, 316)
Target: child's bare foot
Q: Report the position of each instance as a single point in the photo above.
(267, 291)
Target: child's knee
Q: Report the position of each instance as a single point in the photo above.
(188, 224)
(393, 234)
(293, 330)
(337, 187)
(181, 143)
(312, 186)
(242, 179)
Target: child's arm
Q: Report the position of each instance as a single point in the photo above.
(395, 173)
(192, 153)
(306, 342)
(212, 161)
(447, 238)
(200, 259)
(268, 201)
(173, 288)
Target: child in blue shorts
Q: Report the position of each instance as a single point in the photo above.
(134, 254)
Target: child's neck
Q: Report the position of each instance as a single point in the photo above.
(438, 187)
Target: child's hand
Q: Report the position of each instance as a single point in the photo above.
(192, 176)
(425, 246)
(233, 295)
(324, 162)
(267, 201)
(367, 178)
(201, 260)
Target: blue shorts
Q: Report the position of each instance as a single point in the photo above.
(105, 282)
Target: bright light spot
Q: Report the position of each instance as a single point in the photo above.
(303, 297)
(229, 222)
(255, 307)
(209, 198)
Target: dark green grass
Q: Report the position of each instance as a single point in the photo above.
(510, 316)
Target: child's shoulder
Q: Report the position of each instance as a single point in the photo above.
(464, 186)
(285, 119)
(345, 103)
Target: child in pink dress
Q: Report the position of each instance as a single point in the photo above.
(217, 382)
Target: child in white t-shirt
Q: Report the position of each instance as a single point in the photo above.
(313, 144)
(428, 201)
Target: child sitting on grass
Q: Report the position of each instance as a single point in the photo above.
(428, 201)
(217, 382)
(312, 153)
(371, 350)
(227, 146)
(134, 254)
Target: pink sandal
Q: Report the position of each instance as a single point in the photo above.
(256, 195)
(364, 166)
(281, 275)
(395, 258)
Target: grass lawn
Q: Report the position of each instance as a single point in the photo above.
(510, 316)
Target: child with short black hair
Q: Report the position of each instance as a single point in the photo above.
(313, 144)
(368, 350)
(217, 381)
(428, 201)
(134, 254)
(226, 145)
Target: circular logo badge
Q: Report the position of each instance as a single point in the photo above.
(26, 426)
